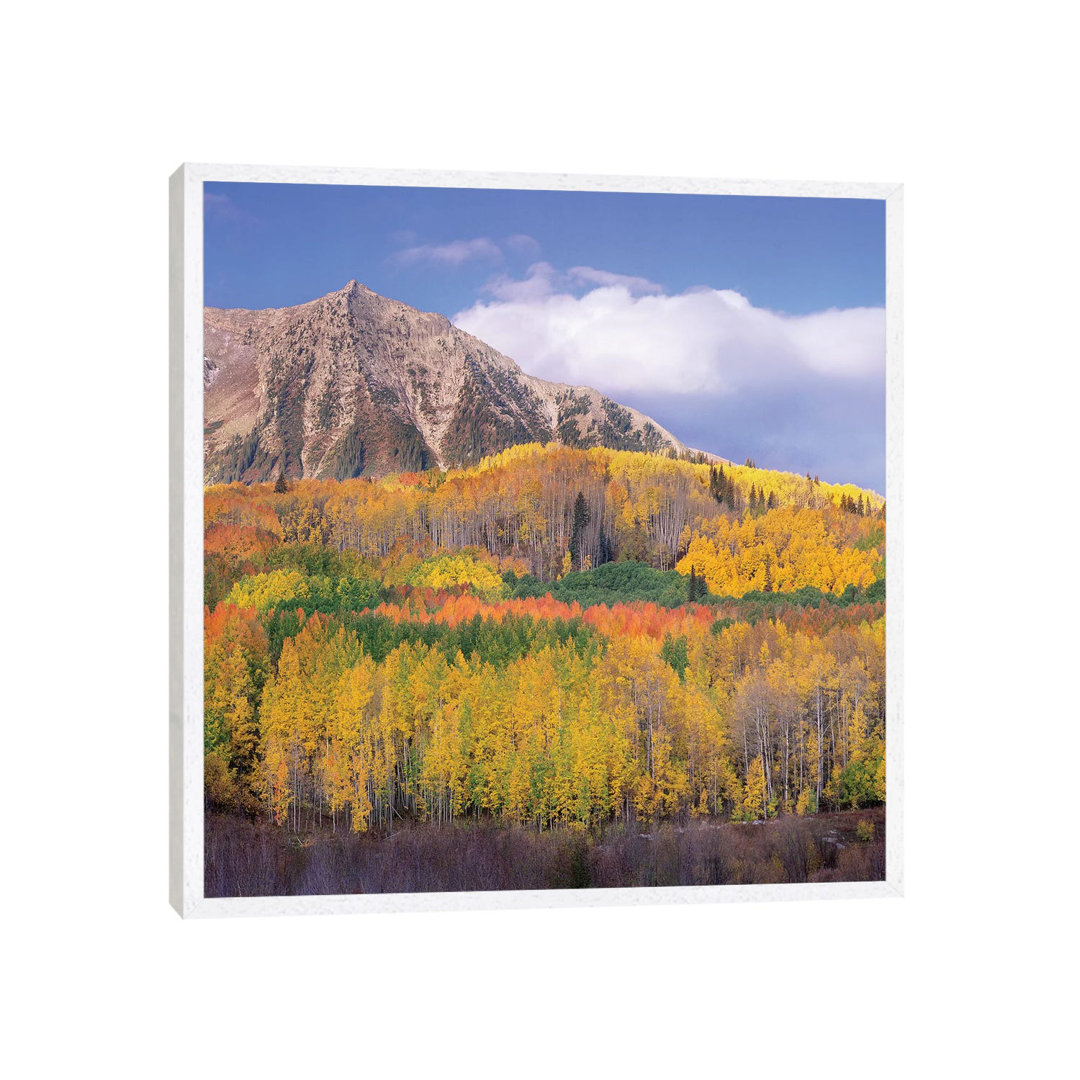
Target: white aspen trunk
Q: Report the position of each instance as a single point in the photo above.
(820, 745)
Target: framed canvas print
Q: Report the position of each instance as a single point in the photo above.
(534, 540)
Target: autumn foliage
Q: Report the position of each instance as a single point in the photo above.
(430, 647)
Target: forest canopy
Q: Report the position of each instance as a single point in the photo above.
(553, 637)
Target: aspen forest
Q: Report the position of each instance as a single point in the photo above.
(553, 659)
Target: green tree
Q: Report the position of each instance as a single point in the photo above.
(577, 530)
(675, 654)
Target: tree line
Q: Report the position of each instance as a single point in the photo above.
(554, 510)
(555, 637)
(548, 725)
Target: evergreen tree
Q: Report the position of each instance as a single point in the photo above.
(605, 554)
(698, 588)
(281, 486)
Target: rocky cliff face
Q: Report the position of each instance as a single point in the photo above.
(356, 384)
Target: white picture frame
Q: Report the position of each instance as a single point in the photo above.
(186, 545)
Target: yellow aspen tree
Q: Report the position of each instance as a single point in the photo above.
(755, 802)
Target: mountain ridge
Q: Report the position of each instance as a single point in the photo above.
(354, 383)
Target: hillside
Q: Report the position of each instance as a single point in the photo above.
(568, 639)
(548, 510)
(355, 384)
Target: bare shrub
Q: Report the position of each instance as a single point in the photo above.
(246, 858)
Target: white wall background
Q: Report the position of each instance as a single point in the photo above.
(969, 106)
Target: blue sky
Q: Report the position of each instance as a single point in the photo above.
(748, 326)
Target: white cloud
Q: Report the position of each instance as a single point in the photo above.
(542, 280)
(539, 283)
(626, 335)
(841, 342)
(587, 275)
(452, 254)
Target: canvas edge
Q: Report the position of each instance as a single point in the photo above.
(551, 899)
(186, 824)
(894, 567)
(177, 279)
(295, 174)
(185, 533)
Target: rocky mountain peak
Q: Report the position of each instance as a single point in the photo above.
(371, 386)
